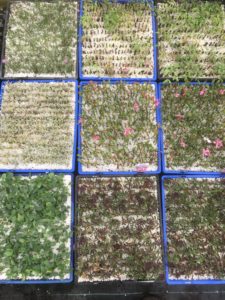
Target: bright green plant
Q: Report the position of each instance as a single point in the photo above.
(194, 127)
(113, 19)
(195, 228)
(191, 39)
(118, 229)
(119, 129)
(86, 21)
(117, 39)
(37, 125)
(34, 231)
(41, 39)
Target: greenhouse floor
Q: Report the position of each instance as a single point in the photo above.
(111, 291)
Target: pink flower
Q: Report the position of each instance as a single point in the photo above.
(202, 92)
(136, 106)
(65, 61)
(182, 143)
(206, 152)
(156, 102)
(141, 168)
(218, 143)
(96, 138)
(182, 92)
(221, 92)
(179, 117)
(128, 131)
(5, 60)
(125, 70)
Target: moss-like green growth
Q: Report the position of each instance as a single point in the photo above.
(195, 228)
(41, 39)
(34, 227)
(118, 229)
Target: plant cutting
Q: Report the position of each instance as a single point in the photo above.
(195, 228)
(35, 233)
(194, 127)
(191, 39)
(118, 127)
(118, 230)
(41, 39)
(37, 125)
(117, 39)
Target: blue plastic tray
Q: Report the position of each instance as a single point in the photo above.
(158, 117)
(51, 281)
(84, 77)
(164, 168)
(178, 281)
(73, 158)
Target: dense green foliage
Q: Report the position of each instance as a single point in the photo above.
(34, 234)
